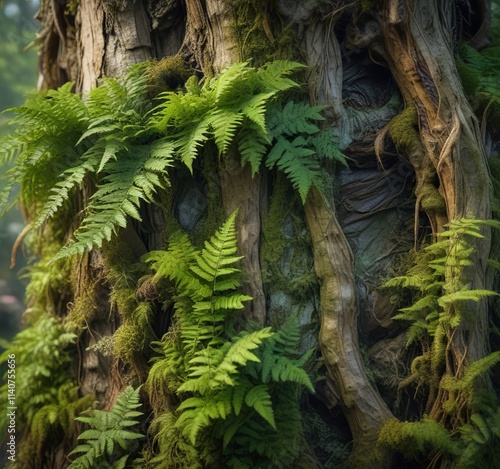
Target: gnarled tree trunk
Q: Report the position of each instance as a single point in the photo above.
(362, 58)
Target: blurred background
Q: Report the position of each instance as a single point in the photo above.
(18, 77)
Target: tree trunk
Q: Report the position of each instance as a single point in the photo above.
(361, 58)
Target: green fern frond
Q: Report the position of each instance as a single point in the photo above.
(465, 295)
(259, 399)
(225, 123)
(136, 176)
(48, 127)
(294, 118)
(109, 428)
(295, 159)
(229, 82)
(252, 145)
(275, 75)
(71, 178)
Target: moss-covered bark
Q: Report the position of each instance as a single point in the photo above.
(386, 73)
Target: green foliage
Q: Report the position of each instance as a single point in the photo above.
(480, 440)
(436, 281)
(474, 445)
(117, 141)
(48, 127)
(479, 72)
(415, 440)
(45, 395)
(110, 439)
(235, 393)
(239, 107)
(42, 358)
(298, 145)
(441, 290)
(58, 417)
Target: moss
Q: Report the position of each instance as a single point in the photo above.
(72, 7)
(432, 201)
(422, 439)
(259, 39)
(83, 309)
(403, 129)
(128, 342)
(273, 238)
(168, 74)
(366, 6)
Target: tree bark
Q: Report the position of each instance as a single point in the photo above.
(365, 410)
(414, 40)
(420, 55)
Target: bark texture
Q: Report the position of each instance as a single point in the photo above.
(363, 59)
(452, 157)
(365, 410)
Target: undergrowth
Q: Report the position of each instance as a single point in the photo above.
(218, 394)
(111, 439)
(46, 399)
(440, 293)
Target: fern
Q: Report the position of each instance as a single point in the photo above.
(46, 398)
(111, 439)
(219, 375)
(479, 440)
(59, 415)
(42, 359)
(116, 140)
(239, 106)
(299, 145)
(48, 127)
(436, 280)
(135, 177)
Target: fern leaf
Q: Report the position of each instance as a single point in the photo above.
(118, 197)
(294, 119)
(229, 81)
(225, 123)
(465, 295)
(259, 399)
(252, 145)
(275, 75)
(294, 158)
(108, 430)
(190, 139)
